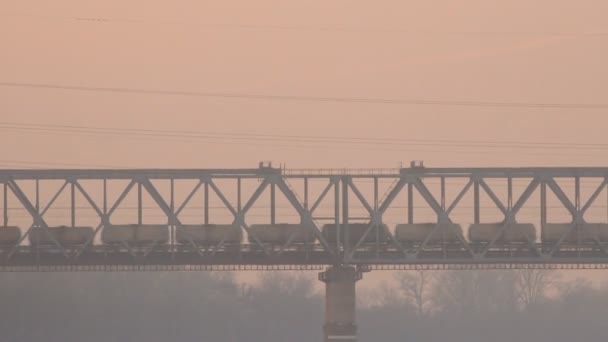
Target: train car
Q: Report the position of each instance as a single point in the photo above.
(280, 234)
(584, 233)
(135, 234)
(514, 233)
(9, 235)
(65, 236)
(356, 232)
(417, 233)
(208, 234)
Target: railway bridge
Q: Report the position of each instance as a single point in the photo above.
(344, 222)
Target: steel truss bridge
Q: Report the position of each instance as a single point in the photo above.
(340, 226)
(336, 191)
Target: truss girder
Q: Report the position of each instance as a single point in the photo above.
(359, 251)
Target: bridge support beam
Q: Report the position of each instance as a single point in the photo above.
(340, 303)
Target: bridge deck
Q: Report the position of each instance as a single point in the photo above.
(26, 258)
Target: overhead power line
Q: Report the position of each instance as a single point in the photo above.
(308, 98)
(341, 140)
(295, 143)
(282, 27)
(30, 163)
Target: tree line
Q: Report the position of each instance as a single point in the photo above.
(288, 306)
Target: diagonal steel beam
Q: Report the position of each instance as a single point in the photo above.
(88, 198)
(493, 196)
(573, 226)
(31, 209)
(305, 215)
(510, 215)
(353, 187)
(557, 190)
(392, 195)
(99, 213)
(255, 195)
(188, 198)
(158, 198)
(525, 196)
(331, 183)
(443, 216)
(430, 199)
(594, 196)
(120, 198)
(104, 218)
(46, 208)
(222, 198)
(376, 216)
(388, 201)
(577, 215)
(447, 212)
(458, 198)
(239, 216)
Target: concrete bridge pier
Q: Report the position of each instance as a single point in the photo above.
(340, 303)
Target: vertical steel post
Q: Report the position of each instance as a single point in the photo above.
(577, 205)
(439, 218)
(105, 196)
(410, 203)
(5, 204)
(206, 202)
(337, 213)
(340, 303)
(36, 222)
(543, 209)
(377, 228)
(345, 214)
(73, 202)
(272, 204)
(306, 193)
(37, 196)
(443, 193)
(577, 193)
(170, 220)
(510, 193)
(238, 194)
(476, 211)
(376, 199)
(140, 217)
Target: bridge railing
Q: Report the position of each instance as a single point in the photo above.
(342, 172)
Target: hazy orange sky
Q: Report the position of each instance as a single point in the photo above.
(493, 51)
(471, 50)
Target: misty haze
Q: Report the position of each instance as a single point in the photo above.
(303, 171)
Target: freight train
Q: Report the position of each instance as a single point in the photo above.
(431, 234)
